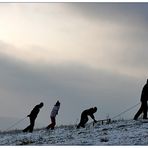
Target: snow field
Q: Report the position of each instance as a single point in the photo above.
(125, 132)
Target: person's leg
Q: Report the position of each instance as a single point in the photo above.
(26, 129)
(81, 120)
(139, 112)
(144, 104)
(32, 121)
(53, 123)
(84, 122)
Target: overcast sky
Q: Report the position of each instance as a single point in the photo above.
(84, 54)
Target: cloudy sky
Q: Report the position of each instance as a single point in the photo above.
(84, 54)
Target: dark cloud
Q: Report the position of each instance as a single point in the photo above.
(130, 36)
(112, 11)
(127, 34)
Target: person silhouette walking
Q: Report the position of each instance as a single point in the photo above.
(144, 99)
(53, 114)
(33, 115)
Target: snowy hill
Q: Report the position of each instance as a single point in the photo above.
(126, 132)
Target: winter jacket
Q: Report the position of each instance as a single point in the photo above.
(54, 111)
(144, 94)
(88, 112)
(34, 112)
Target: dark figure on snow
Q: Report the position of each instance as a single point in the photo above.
(53, 114)
(144, 99)
(84, 116)
(32, 117)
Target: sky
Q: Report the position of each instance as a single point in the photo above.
(82, 54)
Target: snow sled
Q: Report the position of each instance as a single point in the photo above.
(104, 121)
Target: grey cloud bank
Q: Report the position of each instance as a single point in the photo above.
(123, 12)
(125, 32)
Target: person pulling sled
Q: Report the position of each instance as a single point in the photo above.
(84, 116)
(53, 114)
(33, 116)
(144, 99)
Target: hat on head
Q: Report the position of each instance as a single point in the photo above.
(41, 104)
(95, 109)
(57, 103)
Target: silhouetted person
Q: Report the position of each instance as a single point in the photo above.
(144, 99)
(32, 117)
(53, 114)
(84, 116)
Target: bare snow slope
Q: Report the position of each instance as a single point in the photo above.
(126, 132)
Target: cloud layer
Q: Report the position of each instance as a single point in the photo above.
(76, 86)
(103, 36)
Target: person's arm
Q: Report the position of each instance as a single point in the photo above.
(32, 112)
(93, 117)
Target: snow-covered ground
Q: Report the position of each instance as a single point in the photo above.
(125, 132)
